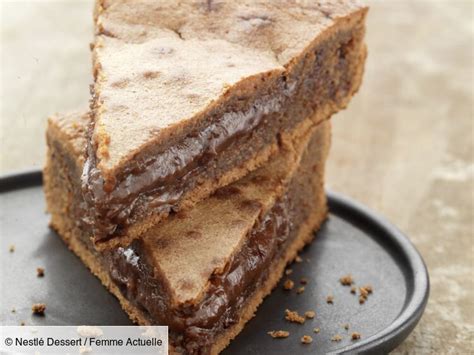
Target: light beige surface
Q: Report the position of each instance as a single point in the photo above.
(405, 146)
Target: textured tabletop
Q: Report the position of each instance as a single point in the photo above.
(404, 147)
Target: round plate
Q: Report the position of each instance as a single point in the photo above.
(353, 241)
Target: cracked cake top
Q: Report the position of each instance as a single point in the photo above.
(160, 66)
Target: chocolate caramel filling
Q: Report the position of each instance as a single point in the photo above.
(163, 169)
(194, 327)
(155, 181)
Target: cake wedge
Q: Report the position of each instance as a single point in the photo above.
(202, 272)
(190, 96)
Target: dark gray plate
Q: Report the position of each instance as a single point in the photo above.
(353, 240)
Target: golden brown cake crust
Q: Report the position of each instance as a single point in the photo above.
(70, 129)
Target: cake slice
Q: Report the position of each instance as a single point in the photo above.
(190, 96)
(203, 272)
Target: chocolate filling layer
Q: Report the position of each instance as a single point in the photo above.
(157, 173)
(155, 181)
(196, 325)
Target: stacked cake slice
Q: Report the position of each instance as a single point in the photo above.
(202, 272)
(198, 174)
(190, 96)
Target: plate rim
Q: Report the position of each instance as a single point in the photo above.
(387, 338)
(394, 334)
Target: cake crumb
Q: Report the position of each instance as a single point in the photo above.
(278, 334)
(306, 339)
(294, 317)
(346, 280)
(288, 285)
(330, 299)
(353, 290)
(355, 336)
(38, 308)
(336, 338)
(304, 281)
(368, 288)
(300, 290)
(346, 326)
(288, 272)
(363, 292)
(39, 271)
(11, 248)
(316, 330)
(298, 259)
(310, 314)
